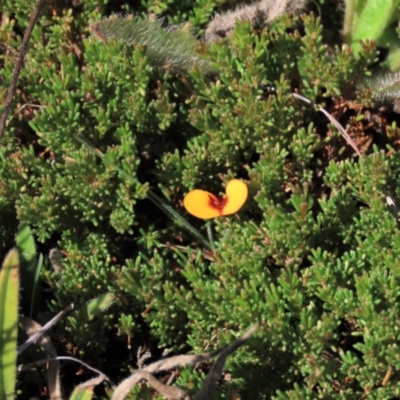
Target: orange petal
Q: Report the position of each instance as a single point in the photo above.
(236, 195)
(205, 205)
(197, 203)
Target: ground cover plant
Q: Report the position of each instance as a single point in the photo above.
(108, 131)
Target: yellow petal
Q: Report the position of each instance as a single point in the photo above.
(203, 204)
(236, 196)
(200, 204)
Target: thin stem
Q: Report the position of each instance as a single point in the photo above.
(333, 121)
(350, 6)
(18, 65)
(210, 237)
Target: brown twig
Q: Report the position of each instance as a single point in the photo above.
(18, 65)
(333, 121)
(38, 363)
(44, 329)
(124, 388)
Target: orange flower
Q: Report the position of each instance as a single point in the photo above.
(205, 205)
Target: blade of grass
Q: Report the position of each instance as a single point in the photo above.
(29, 268)
(9, 292)
(35, 284)
(167, 209)
(157, 201)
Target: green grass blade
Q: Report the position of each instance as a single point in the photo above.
(9, 287)
(157, 201)
(29, 268)
(35, 294)
(373, 20)
(177, 218)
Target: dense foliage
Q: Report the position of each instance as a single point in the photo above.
(102, 142)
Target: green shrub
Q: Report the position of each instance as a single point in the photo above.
(97, 131)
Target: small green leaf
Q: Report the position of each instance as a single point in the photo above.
(97, 305)
(85, 390)
(80, 393)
